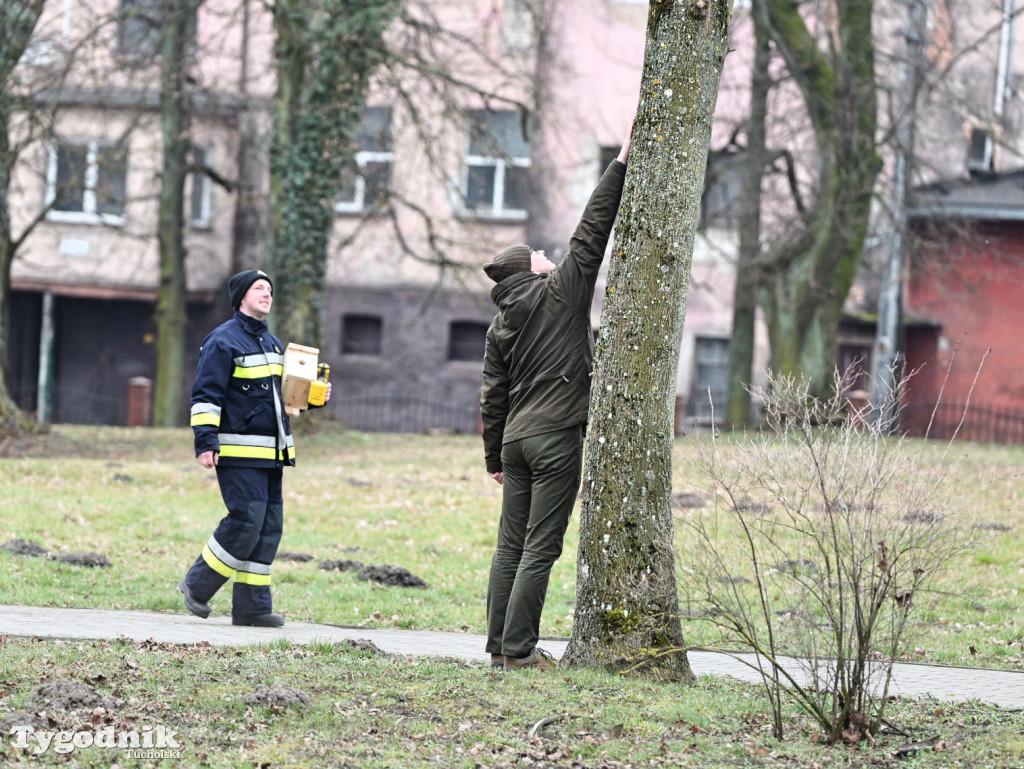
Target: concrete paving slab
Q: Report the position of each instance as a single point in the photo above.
(1004, 689)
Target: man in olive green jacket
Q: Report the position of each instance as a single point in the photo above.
(534, 404)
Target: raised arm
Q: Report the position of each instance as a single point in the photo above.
(576, 274)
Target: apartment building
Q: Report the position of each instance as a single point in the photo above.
(434, 192)
(404, 317)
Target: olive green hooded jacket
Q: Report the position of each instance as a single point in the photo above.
(540, 346)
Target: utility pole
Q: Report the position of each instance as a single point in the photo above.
(888, 339)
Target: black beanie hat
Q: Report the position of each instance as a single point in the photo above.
(241, 283)
(510, 261)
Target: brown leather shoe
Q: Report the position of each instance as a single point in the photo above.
(539, 660)
(497, 661)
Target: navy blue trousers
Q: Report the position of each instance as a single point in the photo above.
(245, 542)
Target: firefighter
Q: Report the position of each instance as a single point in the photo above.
(242, 431)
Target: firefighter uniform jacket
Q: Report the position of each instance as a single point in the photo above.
(237, 409)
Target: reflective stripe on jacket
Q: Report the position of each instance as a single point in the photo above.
(237, 409)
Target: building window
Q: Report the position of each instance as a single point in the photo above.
(980, 151)
(138, 28)
(139, 23)
(710, 372)
(497, 166)
(466, 340)
(200, 202)
(86, 182)
(723, 191)
(517, 26)
(361, 334)
(366, 180)
(854, 363)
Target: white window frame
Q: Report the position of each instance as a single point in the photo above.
(88, 214)
(358, 203)
(517, 27)
(500, 164)
(985, 163)
(205, 220)
(148, 47)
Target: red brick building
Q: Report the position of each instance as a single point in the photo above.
(964, 320)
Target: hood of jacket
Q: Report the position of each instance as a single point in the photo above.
(516, 295)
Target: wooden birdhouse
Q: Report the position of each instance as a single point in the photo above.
(300, 371)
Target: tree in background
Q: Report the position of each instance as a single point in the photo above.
(802, 278)
(809, 275)
(171, 312)
(326, 53)
(627, 608)
(18, 19)
(748, 260)
(439, 75)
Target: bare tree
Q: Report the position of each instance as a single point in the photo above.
(326, 54)
(442, 76)
(175, 110)
(627, 604)
(806, 259)
(809, 273)
(748, 262)
(822, 537)
(18, 19)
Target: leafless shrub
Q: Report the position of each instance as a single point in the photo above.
(831, 577)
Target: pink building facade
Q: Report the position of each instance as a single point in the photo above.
(404, 335)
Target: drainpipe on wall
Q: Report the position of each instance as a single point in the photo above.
(1005, 55)
(888, 352)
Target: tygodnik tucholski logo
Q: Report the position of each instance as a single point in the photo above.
(146, 742)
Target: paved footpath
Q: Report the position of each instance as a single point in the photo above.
(1004, 689)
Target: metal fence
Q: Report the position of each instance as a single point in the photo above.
(399, 414)
(376, 413)
(980, 422)
(78, 406)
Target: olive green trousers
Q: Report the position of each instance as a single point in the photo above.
(542, 478)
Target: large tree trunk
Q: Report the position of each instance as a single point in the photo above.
(811, 275)
(627, 604)
(325, 58)
(17, 22)
(171, 315)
